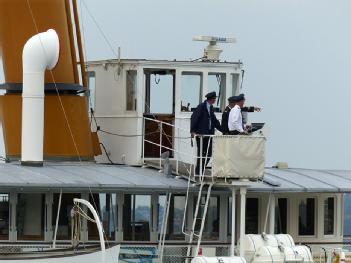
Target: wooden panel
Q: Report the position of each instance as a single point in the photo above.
(17, 26)
(152, 133)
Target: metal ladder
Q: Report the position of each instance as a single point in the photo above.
(192, 234)
(163, 232)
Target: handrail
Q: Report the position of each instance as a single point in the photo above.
(193, 156)
(183, 156)
(165, 123)
(173, 149)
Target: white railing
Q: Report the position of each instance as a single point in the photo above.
(182, 158)
(179, 156)
(234, 156)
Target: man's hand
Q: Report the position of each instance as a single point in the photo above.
(193, 134)
(257, 109)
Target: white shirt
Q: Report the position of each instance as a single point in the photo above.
(235, 120)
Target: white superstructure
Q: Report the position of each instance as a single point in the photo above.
(124, 91)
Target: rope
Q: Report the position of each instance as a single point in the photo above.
(81, 212)
(118, 134)
(100, 29)
(55, 85)
(219, 80)
(63, 109)
(242, 79)
(107, 155)
(126, 135)
(76, 227)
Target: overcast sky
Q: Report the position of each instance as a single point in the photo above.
(296, 55)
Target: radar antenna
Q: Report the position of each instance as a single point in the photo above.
(212, 51)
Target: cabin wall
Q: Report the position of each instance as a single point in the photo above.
(221, 202)
(148, 217)
(112, 117)
(318, 239)
(110, 100)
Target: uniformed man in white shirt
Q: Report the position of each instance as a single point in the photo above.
(235, 119)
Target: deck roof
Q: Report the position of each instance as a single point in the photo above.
(304, 180)
(99, 177)
(86, 176)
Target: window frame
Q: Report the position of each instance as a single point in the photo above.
(113, 211)
(222, 89)
(91, 99)
(44, 218)
(159, 218)
(334, 215)
(134, 214)
(315, 216)
(259, 200)
(126, 90)
(288, 207)
(236, 91)
(205, 238)
(10, 221)
(54, 214)
(191, 72)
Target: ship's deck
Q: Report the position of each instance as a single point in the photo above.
(103, 177)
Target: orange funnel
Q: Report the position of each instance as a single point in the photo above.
(67, 134)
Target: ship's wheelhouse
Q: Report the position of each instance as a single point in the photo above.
(123, 92)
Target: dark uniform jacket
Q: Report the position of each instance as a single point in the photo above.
(200, 120)
(225, 117)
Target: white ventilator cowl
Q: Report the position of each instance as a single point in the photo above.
(41, 52)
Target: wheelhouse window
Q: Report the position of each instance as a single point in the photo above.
(175, 216)
(235, 84)
(251, 226)
(30, 216)
(191, 86)
(281, 216)
(217, 82)
(329, 212)
(91, 86)
(159, 91)
(307, 217)
(4, 216)
(64, 223)
(137, 217)
(211, 227)
(106, 206)
(131, 92)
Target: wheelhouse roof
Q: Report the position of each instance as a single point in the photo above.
(174, 63)
(106, 178)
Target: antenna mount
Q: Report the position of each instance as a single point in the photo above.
(212, 51)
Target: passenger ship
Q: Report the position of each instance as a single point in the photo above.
(116, 133)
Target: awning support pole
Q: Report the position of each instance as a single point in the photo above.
(242, 219)
(233, 223)
(272, 214)
(57, 219)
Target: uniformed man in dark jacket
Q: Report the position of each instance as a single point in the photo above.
(225, 114)
(204, 122)
(232, 101)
